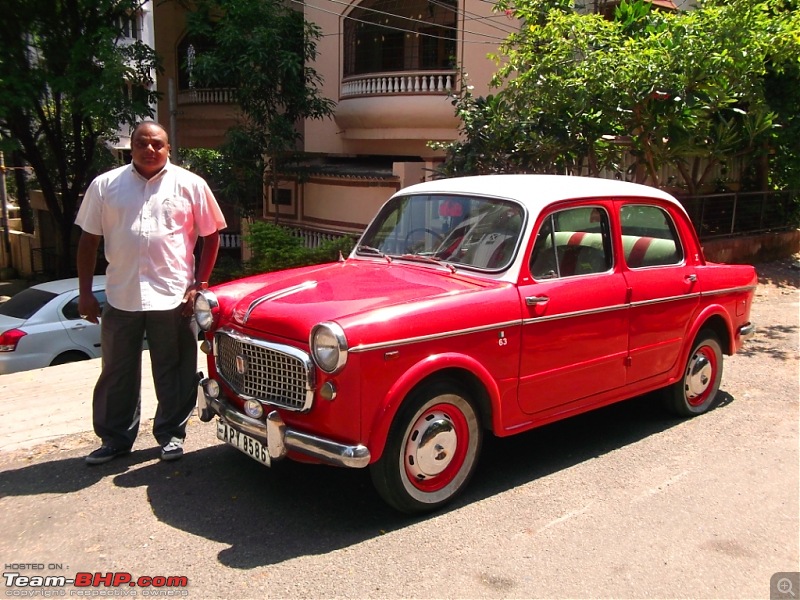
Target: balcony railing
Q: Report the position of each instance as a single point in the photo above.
(416, 82)
(314, 238)
(206, 96)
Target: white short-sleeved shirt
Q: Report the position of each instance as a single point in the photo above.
(150, 228)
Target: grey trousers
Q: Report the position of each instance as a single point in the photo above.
(116, 403)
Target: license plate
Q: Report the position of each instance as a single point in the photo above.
(250, 446)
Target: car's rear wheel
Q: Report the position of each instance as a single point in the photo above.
(68, 357)
(694, 393)
(431, 451)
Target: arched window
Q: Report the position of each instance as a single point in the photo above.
(394, 35)
(188, 50)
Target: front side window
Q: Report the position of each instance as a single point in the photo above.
(571, 242)
(649, 237)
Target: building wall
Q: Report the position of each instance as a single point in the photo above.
(396, 127)
(193, 122)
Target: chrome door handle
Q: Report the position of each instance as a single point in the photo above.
(534, 300)
(691, 278)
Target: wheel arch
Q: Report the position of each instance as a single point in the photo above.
(713, 319)
(68, 356)
(462, 370)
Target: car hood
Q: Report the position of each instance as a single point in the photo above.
(362, 296)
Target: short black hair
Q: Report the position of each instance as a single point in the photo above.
(153, 123)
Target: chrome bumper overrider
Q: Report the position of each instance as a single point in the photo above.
(279, 438)
(746, 331)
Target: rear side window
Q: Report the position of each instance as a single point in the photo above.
(649, 237)
(26, 303)
(571, 242)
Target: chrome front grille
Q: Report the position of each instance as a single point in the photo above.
(273, 373)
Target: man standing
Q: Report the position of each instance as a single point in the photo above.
(150, 215)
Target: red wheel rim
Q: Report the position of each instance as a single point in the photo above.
(436, 446)
(701, 373)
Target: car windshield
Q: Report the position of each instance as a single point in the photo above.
(473, 232)
(26, 303)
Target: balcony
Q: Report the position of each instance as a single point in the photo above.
(206, 96)
(410, 105)
(433, 82)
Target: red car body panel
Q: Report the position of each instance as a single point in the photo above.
(531, 346)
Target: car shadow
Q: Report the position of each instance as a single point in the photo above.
(267, 516)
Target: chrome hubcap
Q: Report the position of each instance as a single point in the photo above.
(431, 445)
(698, 376)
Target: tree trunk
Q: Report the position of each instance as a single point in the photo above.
(23, 200)
(65, 265)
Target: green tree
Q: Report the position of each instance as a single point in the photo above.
(682, 89)
(262, 50)
(67, 83)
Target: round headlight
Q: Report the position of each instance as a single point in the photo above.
(205, 309)
(328, 347)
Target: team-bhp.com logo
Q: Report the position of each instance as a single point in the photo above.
(94, 584)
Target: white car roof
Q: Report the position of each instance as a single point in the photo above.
(537, 191)
(60, 286)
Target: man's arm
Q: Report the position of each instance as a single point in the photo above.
(208, 256)
(88, 307)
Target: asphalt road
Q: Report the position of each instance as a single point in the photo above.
(625, 502)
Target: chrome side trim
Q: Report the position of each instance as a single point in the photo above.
(746, 288)
(279, 439)
(577, 313)
(433, 336)
(665, 299)
(597, 311)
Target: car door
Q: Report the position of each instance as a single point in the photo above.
(82, 333)
(663, 287)
(575, 318)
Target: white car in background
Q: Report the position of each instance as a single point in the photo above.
(40, 326)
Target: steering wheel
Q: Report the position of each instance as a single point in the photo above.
(438, 238)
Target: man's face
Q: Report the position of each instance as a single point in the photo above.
(149, 150)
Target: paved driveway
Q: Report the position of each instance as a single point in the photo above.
(624, 502)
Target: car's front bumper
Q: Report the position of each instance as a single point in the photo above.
(277, 437)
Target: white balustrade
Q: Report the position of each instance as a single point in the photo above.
(401, 83)
(206, 96)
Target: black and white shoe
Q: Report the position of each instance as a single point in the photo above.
(105, 454)
(172, 450)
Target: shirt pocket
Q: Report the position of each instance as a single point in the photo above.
(175, 213)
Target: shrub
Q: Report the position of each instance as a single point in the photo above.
(274, 248)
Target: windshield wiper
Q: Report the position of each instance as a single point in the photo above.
(372, 250)
(427, 259)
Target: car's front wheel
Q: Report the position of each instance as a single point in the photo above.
(431, 451)
(694, 393)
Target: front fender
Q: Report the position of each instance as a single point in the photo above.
(422, 370)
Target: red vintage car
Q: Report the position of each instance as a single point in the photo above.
(470, 305)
